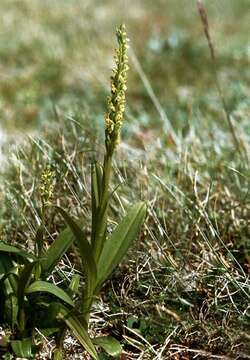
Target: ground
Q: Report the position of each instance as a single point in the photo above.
(183, 290)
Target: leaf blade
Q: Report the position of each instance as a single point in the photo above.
(44, 286)
(87, 259)
(14, 250)
(109, 344)
(56, 250)
(82, 242)
(78, 330)
(118, 243)
(22, 348)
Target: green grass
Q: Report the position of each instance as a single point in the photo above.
(184, 286)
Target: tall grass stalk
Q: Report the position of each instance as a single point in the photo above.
(237, 142)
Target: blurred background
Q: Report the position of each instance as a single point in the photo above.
(60, 52)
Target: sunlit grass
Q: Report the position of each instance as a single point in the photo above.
(190, 269)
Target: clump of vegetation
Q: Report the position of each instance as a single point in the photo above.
(183, 292)
(23, 274)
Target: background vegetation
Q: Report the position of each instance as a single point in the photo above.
(183, 291)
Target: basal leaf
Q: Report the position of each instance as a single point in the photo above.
(79, 331)
(118, 243)
(88, 261)
(109, 344)
(14, 250)
(43, 286)
(8, 248)
(22, 348)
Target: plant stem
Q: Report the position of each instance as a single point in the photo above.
(99, 226)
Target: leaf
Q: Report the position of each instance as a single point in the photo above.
(8, 248)
(95, 193)
(11, 282)
(11, 310)
(109, 344)
(14, 250)
(78, 330)
(9, 300)
(74, 284)
(44, 286)
(82, 242)
(57, 250)
(24, 280)
(118, 243)
(22, 348)
(88, 261)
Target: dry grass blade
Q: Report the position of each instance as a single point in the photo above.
(239, 146)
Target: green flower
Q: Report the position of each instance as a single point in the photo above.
(47, 186)
(116, 101)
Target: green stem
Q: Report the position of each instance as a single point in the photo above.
(21, 322)
(99, 227)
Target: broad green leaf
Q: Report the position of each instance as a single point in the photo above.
(56, 250)
(118, 243)
(78, 330)
(14, 250)
(88, 261)
(22, 348)
(8, 248)
(43, 286)
(109, 344)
